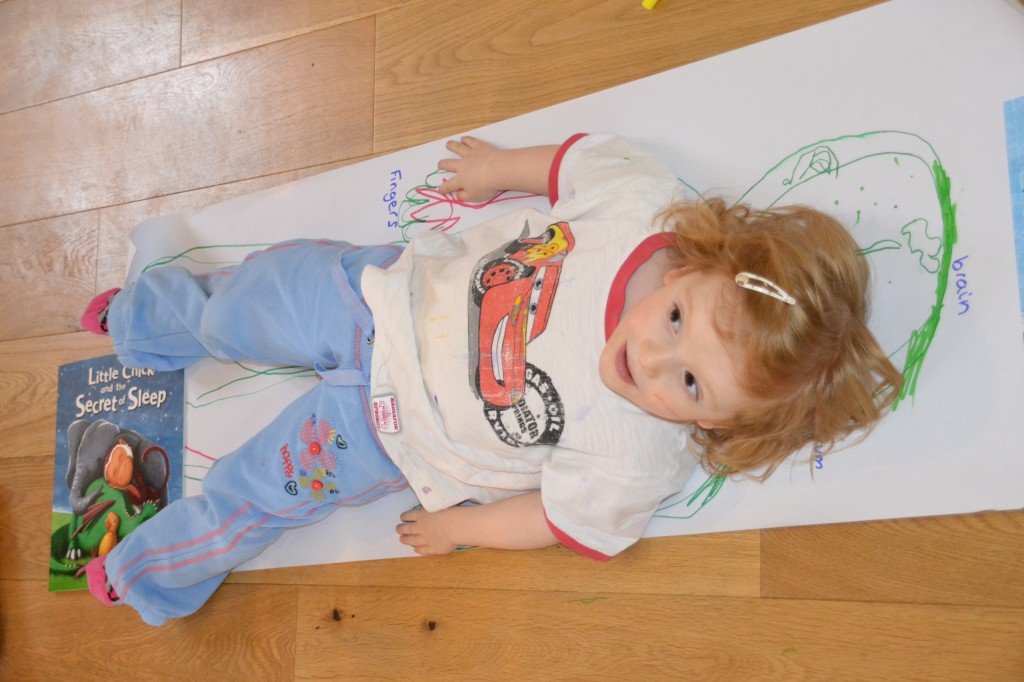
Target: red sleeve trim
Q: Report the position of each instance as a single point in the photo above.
(556, 166)
(573, 544)
(617, 294)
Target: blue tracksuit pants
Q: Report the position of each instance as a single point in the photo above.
(297, 303)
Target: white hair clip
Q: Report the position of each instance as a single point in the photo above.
(764, 286)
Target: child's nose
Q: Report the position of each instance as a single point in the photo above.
(654, 358)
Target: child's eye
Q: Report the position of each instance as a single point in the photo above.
(691, 384)
(675, 317)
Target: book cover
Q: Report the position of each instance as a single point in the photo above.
(118, 458)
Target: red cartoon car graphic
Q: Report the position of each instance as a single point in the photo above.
(513, 289)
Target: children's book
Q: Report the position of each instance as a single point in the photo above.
(118, 459)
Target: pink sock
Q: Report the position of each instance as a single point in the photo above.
(96, 579)
(94, 319)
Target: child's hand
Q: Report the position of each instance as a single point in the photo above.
(426, 532)
(473, 170)
(517, 522)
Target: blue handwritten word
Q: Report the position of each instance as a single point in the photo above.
(960, 282)
(390, 198)
(819, 457)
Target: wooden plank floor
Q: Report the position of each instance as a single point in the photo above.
(113, 111)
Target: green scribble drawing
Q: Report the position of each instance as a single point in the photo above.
(187, 255)
(928, 242)
(901, 220)
(696, 192)
(812, 162)
(881, 245)
(921, 339)
(415, 206)
(919, 241)
(242, 386)
(701, 496)
(423, 207)
(195, 477)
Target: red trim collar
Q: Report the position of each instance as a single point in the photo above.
(617, 294)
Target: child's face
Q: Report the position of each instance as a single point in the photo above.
(667, 358)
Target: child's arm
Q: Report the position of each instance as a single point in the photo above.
(482, 170)
(514, 523)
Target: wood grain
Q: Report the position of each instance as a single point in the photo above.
(550, 635)
(294, 104)
(215, 29)
(27, 483)
(485, 62)
(48, 270)
(245, 634)
(57, 48)
(969, 559)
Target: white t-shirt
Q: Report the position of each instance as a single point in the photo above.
(485, 364)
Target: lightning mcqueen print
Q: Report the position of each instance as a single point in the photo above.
(512, 291)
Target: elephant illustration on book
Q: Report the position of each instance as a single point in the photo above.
(118, 479)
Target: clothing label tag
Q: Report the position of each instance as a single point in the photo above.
(385, 413)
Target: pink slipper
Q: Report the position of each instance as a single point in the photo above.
(96, 579)
(94, 319)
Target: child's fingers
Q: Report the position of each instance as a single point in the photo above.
(449, 165)
(454, 189)
(458, 147)
(415, 535)
(454, 182)
(419, 544)
(408, 537)
(449, 186)
(411, 540)
(462, 146)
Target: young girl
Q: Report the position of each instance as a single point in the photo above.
(548, 367)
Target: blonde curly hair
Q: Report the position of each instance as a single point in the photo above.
(814, 371)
